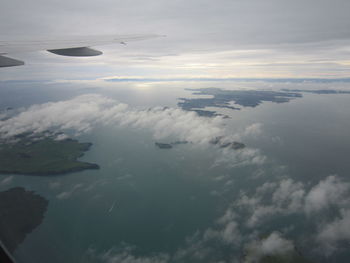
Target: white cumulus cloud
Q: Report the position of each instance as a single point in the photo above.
(287, 196)
(331, 191)
(84, 112)
(338, 230)
(273, 245)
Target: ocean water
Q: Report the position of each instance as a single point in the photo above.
(152, 203)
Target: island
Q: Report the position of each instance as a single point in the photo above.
(319, 91)
(179, 142)
(21, 211)
(233, 145)
(161, 145)
(221, 98)
(224, 144)
(220, 141)
(35, 154)
(207, 113)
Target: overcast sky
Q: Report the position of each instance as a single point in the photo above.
(223, 38)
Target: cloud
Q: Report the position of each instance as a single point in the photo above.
(338, 230)
(125, 255)
(253, 130)
(227, 229)
(7, 180)
(273, 245)
(64, 195)
(84, 112)
(287, 196)
(195, 249)
(327, 204)
(205, 246)
(246, 156)
(283, 197)
(79, 114)
(68, 194)
(328, 192)
(229, 234)
(276, 198)
(224, 23)
(237, 38)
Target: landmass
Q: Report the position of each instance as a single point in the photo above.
(320, 91)
(247, 98)
(216, 141)
(161, 145)
(31, 154)
(206, 113)
(179, 142)
(224, 144)
(222, 98)
(272, 80)
(21, 212)
(233, 145)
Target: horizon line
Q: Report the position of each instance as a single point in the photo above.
(140, 79)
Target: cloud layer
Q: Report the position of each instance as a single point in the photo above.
(287, 197)
(83, 113)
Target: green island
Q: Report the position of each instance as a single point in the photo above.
(21, 211)
(31, 154)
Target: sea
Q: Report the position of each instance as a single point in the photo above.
(147, 204)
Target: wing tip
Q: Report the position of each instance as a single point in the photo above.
(9, 62)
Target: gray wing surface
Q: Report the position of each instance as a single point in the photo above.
(73, 46)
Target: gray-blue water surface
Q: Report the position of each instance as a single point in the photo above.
(154, 199)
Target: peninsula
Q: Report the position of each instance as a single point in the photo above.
(224, 98)
(21, 211)
(37, 155)
(232, 99)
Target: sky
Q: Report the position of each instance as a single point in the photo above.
(215, 39)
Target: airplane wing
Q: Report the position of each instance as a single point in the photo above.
(73, 46)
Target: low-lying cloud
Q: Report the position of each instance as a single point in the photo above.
(288, 197)
(84, 113)
(329, 192)
(124, 255)
(273, 245)
(338, 230)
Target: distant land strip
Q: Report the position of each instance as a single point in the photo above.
(277, 80)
